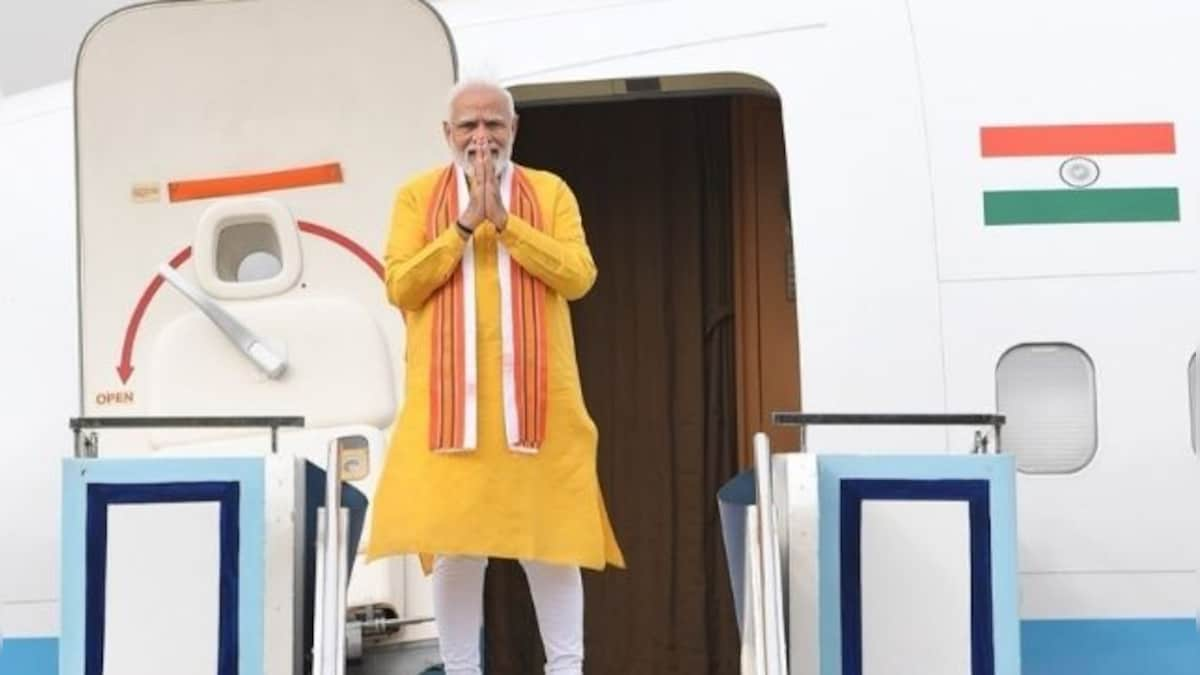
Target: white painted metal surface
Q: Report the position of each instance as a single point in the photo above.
(37, 288)
(162, 591)
(797, 495)
(329, 619)
(769, 620)
(916, 588)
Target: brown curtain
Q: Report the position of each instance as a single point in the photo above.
(655, 347)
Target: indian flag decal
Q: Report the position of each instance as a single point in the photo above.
(1081, 173)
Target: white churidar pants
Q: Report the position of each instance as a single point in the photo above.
(458, 607)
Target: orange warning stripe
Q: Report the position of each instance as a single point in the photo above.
(225, 186)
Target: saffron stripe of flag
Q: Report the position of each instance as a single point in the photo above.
(1155, 138)
(1050, 207)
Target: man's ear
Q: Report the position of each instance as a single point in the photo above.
(446, 130)
(516, 118)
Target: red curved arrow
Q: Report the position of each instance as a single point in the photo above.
(125, 368)
(345, 242)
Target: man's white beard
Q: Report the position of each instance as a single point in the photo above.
(501, 161)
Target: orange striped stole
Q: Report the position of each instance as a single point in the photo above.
(453, 419)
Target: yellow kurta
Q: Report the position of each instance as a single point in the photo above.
(492, 501)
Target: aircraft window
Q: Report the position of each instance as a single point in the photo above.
(248, 251)
(1194, 402)
(259, 266)
(1048, 393)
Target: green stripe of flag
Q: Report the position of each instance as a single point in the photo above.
(1109, 205)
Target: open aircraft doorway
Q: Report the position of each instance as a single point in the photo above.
(686, 344)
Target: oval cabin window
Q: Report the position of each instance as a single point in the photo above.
(1048, 394)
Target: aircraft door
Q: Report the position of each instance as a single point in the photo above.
(236, 167)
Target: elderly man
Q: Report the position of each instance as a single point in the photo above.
(494, 453)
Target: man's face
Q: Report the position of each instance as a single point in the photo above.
(479, 119)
